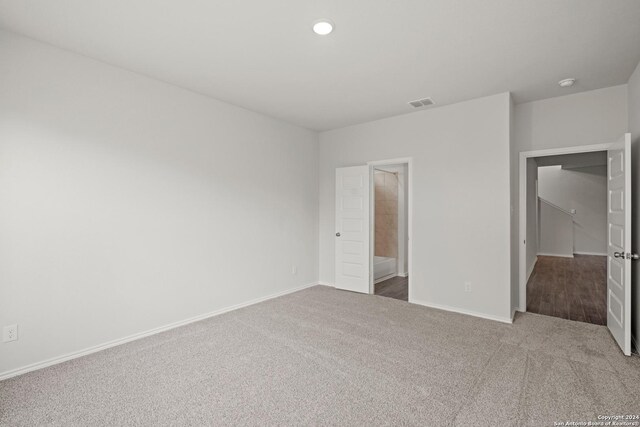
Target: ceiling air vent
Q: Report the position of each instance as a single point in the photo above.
(421, 103)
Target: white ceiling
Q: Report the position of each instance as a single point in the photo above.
(262, 55)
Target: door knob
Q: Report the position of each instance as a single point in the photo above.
(618, 254)
(337, 234)
(632, 256)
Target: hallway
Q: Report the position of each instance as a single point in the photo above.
(569, 288)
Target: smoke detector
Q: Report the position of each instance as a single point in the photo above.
(425, 102)
(566, 82)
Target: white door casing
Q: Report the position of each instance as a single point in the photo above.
(619, 242)
(524, 218)
(352, 229)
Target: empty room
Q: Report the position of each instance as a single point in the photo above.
(331, 212)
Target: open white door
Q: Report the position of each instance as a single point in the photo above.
(619, 254)
(352, 229)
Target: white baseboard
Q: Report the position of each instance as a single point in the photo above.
(327, 284)
(558, 255)
(383, 278)
(462, 311)
(139, 335)
(403, 274)
(531, 269)
(590, 253)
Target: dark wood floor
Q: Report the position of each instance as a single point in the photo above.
(570, 288)
(396, 287)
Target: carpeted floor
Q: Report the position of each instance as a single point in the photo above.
(328, 357)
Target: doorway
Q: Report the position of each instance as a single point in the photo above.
(567, 236)
(355, 229)
(390, 244)
(618, 231)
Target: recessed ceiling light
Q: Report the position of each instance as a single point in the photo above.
(566, 82)
(323, 27)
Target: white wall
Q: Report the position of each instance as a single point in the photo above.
(460, 198)
(584, 118)
(555, 236)
(585, 190)
(593, 117)
(127, 204)
(634, 128)
(532, 214)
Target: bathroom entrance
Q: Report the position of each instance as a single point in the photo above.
(390, 221)
(373, 246)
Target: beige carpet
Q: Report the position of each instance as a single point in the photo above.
(327, 357)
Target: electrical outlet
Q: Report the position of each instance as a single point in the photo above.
(10, 333)
(294, 270)
(467, 286)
